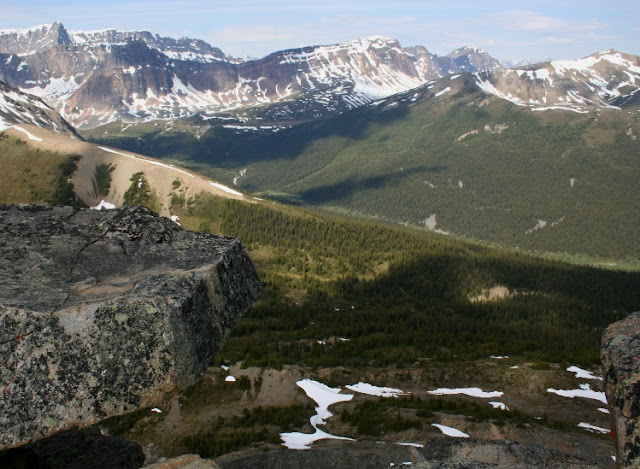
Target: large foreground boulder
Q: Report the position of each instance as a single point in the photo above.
(102, 313)
(621, 366)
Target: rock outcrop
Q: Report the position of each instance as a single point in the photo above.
(102, 313)
(18, 108)
(503, 454)
(186, 461)
(621, 365)
(438, 453)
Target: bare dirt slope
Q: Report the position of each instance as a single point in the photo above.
(161, 177)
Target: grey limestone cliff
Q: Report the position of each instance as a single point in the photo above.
(621, 365)
(102, 313)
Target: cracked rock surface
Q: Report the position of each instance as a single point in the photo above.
(102, 313)
(620, 354)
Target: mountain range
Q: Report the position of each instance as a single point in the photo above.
(93, 78)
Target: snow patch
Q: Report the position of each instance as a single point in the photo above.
(450, 431)
(488, 87)
(560, 108)
(584, 393)
(499, 405)
(104, 205)
(324, 397)
(225, 188)
(583, 374)
(414, 445)
(593, 428)
(472, 392)
(57, 89)
(156, 163)
(28, 134)
(371, 390)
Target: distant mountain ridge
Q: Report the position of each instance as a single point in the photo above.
(96, 77)
(608, 79)
(39, 39)
(18, 108)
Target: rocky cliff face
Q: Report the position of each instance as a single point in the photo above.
(468, 59)
(17, 108)
(93, 78)
(102, 313)
(621, 365)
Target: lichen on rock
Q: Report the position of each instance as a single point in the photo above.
(102, 313)
(620, 355)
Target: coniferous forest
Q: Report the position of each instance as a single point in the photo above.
(402, 295)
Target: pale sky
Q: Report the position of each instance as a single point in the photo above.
(514, 29)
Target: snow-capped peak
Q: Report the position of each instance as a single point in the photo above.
(380, 39)
(25, 31)
(467, 50)
(587, 63)
(607, 79)
(33, 40)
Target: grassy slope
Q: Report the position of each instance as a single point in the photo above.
(34, 176)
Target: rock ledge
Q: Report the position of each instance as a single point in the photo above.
(620, 355)
(102, 313)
